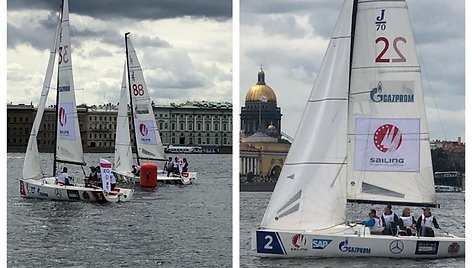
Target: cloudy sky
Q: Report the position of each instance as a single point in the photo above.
(184, 46)
(289, 37)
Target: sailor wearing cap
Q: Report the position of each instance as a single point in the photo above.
(426, 222)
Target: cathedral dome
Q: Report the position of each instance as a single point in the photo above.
(260, 91)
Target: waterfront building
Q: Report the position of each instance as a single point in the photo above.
(194, 123)
(262, 150)
(260, 108)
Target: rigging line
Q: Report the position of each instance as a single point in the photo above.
(315, 163)
(328, 99)
(388, 67)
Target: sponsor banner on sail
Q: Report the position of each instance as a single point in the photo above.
(65, 120)
(392, 92)
(145, 130)
(387, 145)
(105, 170)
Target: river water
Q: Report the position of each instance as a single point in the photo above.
(252, 207)
(172, 226)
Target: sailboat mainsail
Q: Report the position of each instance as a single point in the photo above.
(312, 181)
(68, 141)
(31, 166)
(123, 153)
(389, 158)
(148, 140)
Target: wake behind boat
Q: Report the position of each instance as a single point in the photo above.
(363, 138)
(148, 145)
(68, 143)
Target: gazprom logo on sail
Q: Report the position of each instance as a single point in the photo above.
(376, 95)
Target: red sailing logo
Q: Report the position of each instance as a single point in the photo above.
(62, 116)
(298, 240)
(143, 129)
(388, 138)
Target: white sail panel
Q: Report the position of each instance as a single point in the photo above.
(31, 166)
(310, 192)
(69, 144)
(123, 154)
(389, 153)
(147, 136)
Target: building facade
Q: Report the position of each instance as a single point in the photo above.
(262, 150)
(260, 108)
(191, 123)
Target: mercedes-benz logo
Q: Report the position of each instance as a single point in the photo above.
(396, 247)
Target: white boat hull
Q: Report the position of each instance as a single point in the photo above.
(356, 241)
(46, 188)
(163, 178)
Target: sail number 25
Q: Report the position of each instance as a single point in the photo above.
(386, 43)
(138, 89)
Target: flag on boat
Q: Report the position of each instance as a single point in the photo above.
(105, 170)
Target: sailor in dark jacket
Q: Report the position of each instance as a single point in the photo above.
(390, 221)
(425, 223)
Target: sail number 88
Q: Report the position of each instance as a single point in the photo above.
(138, 89)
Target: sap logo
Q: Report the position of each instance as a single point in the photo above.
(320, 243)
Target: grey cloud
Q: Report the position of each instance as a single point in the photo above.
(285, 7)
(151, 41)
(143, 9)
(285, 25)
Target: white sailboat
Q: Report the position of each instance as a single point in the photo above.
(68, 142)
(148, 141)
(363, 138)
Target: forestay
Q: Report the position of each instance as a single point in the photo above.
(123, 153)
(310, 192)
(69, 144)
(389, 153)
(149, 145)
(31, 166)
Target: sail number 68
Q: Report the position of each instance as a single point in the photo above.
(138, 90)
(63, 57)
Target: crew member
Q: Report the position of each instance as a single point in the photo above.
(390, 221)
(374, 222)
(426, 222)
(63, 178)
(407, 222)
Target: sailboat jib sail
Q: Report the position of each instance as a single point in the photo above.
(69, 143)
(31, 166)
(389, 157)
(310, 191)
(148, 140)
(123, 153)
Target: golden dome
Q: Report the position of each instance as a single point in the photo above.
(271, 127)
(260, 91)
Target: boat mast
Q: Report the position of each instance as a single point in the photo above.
(351, 55)
(57, 99)
(131, 98)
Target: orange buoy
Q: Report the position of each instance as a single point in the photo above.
(148, 175)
